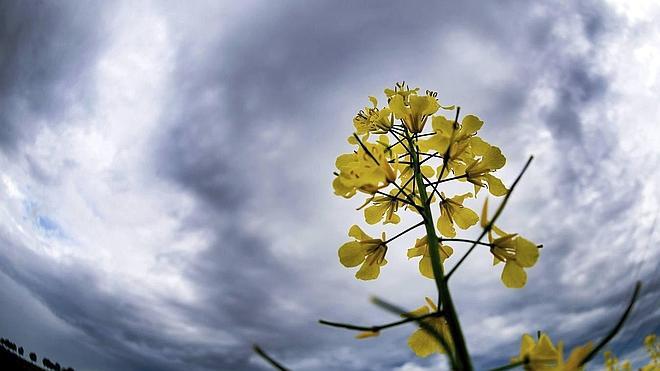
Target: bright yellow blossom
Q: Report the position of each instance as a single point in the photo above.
(366, 170)
(465, 145)
(423, 343)
(415, 111)
(383, 206)
(453, 212)
(372, 119)
(539, 356)
(478, 172)
(545, 356)
(515, 251)
(400, 89)
(421, 248)
(365, 251)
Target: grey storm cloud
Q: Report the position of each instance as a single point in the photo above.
(286, 68)
(47, 49)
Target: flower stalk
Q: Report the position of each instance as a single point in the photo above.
(462, 358)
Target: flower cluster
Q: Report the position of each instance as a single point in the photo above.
(400, 162)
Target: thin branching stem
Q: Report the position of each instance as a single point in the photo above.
(465, 240)
(404, 232)
(378, 328)
(446, 180)
(616, 327)
(445, 156)
(401, 191)
(396, 198)
(512, 365)
(462, 357)
(276, 365)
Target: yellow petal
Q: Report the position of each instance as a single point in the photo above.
(374, 213)
(419, 312)
(342, 189)
(423, 344)
(493, 159)
(344, 159)
(544, 350)
(427, 171)
(357, 233)
(484, 214)
(526, 345)
(478, 146)
(460, 198)
(445, 252)
(471, 124)
(526, 252)
(425, 267)
(445, 225)
(368, 272)
(513, 276)
(351, 254)
(442, 126)
(577, 355)
(423, 104)
(398, 107)
(464, 217)
(495, 185)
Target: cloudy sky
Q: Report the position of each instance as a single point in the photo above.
(165, 172)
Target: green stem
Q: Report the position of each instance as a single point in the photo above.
(461, 351)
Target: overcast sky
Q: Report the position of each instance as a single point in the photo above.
(165, 172)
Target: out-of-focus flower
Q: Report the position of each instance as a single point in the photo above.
(423, 343)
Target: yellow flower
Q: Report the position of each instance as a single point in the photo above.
(545, 356)
(421, 248)
(423, 343)
(415, 111)
(453, 212)
(373, 120)
(515, 251)
(400, 89)
(465, 146)
(366, 170)
(365, 251)
(479, 171)
(578, 354)
(539, 356)
(653, 350)
(383, 206)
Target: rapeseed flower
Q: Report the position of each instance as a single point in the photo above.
(421, 248)
(366, 170)
(543, 355)
(515, 251)
(423, 343)
(415, 111)
(365, 251)
(383, 207)
(372, 119)
(478, 171)
(453, 212)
